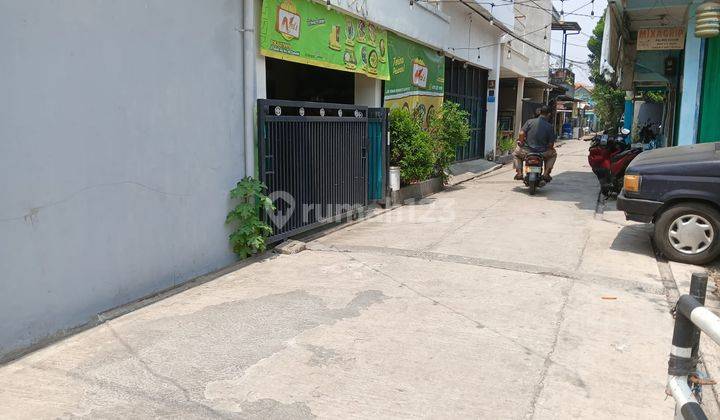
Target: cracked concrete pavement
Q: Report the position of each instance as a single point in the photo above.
(479, 301)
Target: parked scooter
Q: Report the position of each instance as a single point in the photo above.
(609, 156)
(533, 169)
(647, 136)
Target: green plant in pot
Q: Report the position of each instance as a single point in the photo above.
(410, 148)
(449, 130)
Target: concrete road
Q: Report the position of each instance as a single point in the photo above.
(479, 302)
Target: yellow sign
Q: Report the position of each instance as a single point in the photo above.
(657, 39)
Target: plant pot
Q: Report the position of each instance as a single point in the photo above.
(394, 178)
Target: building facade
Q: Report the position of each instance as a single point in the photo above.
(524, 67)
(669, 73)
(127, 123)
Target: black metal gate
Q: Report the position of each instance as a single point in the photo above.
(467, 86)
(313, 158)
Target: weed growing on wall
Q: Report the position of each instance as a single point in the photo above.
(251, 232)
(506, 143)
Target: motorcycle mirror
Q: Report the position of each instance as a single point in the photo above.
(625, 131)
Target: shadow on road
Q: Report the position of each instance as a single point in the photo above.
(635, 239)
(575, 186)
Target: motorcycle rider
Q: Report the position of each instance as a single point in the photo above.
(538, 136)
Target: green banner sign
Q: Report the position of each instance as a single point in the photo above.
(306, 32)
(417, 76)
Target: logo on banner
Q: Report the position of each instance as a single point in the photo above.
(288, 21)
(419, 74)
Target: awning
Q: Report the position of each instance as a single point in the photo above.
(565, 98)
(533, 82)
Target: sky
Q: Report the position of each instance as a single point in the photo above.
(577, 44)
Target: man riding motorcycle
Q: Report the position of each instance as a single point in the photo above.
(537, 136)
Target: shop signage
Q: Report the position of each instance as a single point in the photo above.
(661, 39)
(306, 32)
(417, 79)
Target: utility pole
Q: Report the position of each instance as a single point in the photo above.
(564, 53)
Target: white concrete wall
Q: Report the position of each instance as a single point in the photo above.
(532, 24)
(468, 31)
(492, 108)
(367, 91)
(260, 73)
(120, 136)
(502, 11)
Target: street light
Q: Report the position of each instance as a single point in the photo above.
(565, 27)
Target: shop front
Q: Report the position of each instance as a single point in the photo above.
(321, 136)
(319, 55)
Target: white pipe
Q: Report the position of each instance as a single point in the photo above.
(707, 321)
(679, 389)
(249, 84)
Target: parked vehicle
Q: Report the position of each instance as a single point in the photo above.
(677, 189)
(533, 169)
(609, 157)
(648, 136)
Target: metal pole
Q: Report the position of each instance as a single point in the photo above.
(564, 54)
(684, 351)
(698, 290)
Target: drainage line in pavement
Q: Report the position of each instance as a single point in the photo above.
(627, 285)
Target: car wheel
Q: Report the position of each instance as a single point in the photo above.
(689, 233)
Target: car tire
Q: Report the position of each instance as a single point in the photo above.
(667, 221)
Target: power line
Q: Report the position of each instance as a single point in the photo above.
(515, 36)
(571, 43)
(498, 43)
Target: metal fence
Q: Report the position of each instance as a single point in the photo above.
(313, 158)
(685, 381)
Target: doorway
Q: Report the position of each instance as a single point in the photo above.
(466, 85)
(300, 82)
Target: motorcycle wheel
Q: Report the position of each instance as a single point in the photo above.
(533, 187)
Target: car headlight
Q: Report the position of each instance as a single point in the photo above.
(631, 183)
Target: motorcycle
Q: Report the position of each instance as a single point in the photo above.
(533, 169)
(647, 136)
(609, 157)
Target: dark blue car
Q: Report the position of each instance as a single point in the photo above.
(677, 189)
